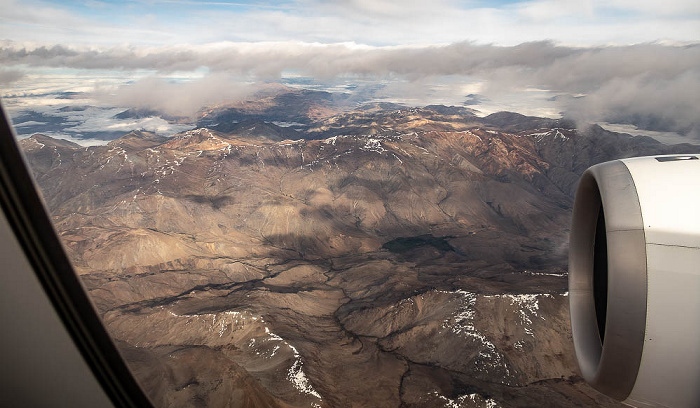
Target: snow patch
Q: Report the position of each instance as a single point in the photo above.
(518, 345)
(555, 133)
(218, 322)
(331, 140)
(474, 400)
(373, 145)
(561, 136)
(462, 324)
(41, 145)
(527, 306)
(297, 377)
(557, 274)
(223, 322)
(287, 124)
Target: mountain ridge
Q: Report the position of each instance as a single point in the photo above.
(422, 247)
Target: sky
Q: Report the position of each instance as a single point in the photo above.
(631, 63)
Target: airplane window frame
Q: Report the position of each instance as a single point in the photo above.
(33, 228)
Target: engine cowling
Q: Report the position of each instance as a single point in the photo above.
(634, 280)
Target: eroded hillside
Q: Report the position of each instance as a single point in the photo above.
(411, 258)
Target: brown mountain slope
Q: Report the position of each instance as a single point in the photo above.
(416, 267)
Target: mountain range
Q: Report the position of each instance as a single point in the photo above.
(383, 256)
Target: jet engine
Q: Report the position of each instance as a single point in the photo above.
(634, 280)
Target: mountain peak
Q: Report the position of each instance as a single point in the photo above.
(262, 131)
(451, 110)
(40, 141)
(511, 121)
(139, 139)
(142, 134)
(140, 113)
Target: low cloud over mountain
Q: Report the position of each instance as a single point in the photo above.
(652, 86)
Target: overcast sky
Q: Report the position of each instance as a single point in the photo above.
(622, 61)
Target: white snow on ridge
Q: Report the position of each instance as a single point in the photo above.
(197, 131)
(556, 133)
(220, 322)
(557, 274)
(295, 374)
(120, 152)
(464, 319)
(273, 336)
(287, 124)
(41, 145)
(474, 400)
(462, 324)
(332, 140)
(373, 145)
(169, 167)
(540, 135)
(527, 305)
(229, 321)
(298, 378)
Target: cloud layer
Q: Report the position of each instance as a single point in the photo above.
(8, 76)
(652, 86)
(590, 65)
(178, 98)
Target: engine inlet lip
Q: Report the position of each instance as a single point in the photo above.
(610, 366)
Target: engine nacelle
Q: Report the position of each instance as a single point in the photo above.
(634, 280)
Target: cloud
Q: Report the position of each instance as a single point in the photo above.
(386, 10)
(182, 99)
(9, 76)
(31, 20)
(86, 123)
(105, 123)
(649, 85)
(573, 66)
(496, 44)
(646, 101)
(387, 22)
(549, 10)
(666, 8)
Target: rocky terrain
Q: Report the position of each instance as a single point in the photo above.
(382, 257)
